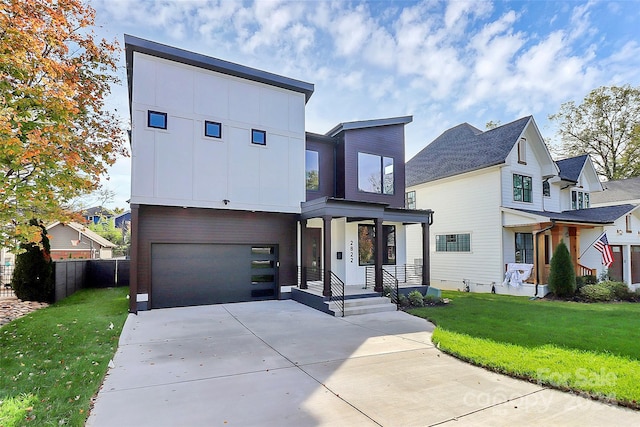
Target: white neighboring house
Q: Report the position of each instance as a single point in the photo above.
(499, 198)
(624, 233)
(75, 241)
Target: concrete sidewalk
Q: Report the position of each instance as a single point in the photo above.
(280, 363)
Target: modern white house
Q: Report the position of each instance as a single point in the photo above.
(503, 205)
(624, 233)
(232, 200)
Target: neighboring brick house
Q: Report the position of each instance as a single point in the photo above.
(223, 208)
(75, 241)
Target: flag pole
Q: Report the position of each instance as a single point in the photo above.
(598, 238)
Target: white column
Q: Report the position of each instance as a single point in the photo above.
(626, 265)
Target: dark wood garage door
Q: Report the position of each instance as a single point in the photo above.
(198, 274)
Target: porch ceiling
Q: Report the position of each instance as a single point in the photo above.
(341, 208)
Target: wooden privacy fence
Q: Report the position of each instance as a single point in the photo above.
(73, 275)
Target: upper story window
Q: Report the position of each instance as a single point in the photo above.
(579, 200)
(312, 174)
(156, 119)
(522, 151)
(628, 223)
(522, 188)
(546, 188)
(213, 129)
(453, 242)
(375, 174)
(258, 137)
(410, 200)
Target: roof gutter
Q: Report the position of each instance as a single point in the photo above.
(535, 236)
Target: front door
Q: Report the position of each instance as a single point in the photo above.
(635, 264)
(313, 260)
(615, 271)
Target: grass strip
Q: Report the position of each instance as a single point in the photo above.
(54, 359)
(604, 376)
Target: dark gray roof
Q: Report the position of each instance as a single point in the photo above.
(570, 168)
(463, 149)
(159, 50)
(618, 191)
(601, 215)
(362, 124)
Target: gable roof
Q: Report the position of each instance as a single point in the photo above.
(136, 44)
(618, 191)
(87, 232)
(570, 168)
(464, 148)
(97, 210)
(601, 215)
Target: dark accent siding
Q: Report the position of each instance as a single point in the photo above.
(385, 141)
(340, 168)
(327, 163)
(162, 224)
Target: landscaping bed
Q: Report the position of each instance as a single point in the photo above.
(592, 349)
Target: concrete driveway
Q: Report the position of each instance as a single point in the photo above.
(280, 363)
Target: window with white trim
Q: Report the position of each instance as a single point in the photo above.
(453, 242)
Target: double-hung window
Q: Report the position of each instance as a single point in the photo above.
(522, 188)
(453, 242)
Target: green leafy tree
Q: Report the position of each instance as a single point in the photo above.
(33, 276)
(56, 135)
(562, 278)
(607, 126)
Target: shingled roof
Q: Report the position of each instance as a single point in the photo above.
(461, 149)
(618, 191)
(602, 215)
(570, 168)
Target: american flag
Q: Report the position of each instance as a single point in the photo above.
(602, 245)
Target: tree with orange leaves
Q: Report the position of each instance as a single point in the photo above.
(56, 136)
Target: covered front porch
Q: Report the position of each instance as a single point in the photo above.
(356, 248)
(531, 238)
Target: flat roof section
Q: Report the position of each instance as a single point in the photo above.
(136, 44)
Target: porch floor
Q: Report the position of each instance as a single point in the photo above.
(353, 291)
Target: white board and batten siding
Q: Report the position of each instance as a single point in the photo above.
(180, 166)
(467, 203)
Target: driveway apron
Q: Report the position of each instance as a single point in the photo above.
(280, 363)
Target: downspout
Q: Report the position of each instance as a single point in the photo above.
(535, 236)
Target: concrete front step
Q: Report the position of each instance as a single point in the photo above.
(355, 306)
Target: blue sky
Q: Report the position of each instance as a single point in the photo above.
(444, 62)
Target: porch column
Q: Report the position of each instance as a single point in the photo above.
(536, 255)
(574, 247)
(426, 261)
(556, 237)
(133, 255)
(378, 227)
(326, 229)
(303, 253)
(626, 265)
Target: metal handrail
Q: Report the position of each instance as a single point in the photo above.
(337, 292)
(390, 287)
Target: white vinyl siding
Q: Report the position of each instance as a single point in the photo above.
(475, 210)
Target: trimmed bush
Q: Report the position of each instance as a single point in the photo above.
(33, 275)
(416, 299)
(606, 291)
(432, 300)
(562, 279)
(403, 300)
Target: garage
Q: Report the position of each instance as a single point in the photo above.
(186, 274)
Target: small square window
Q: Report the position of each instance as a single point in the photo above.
(213, 129)
(157, 120)
(258, 137)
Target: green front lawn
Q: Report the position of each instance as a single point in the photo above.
(54, 359)
(591, 348)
